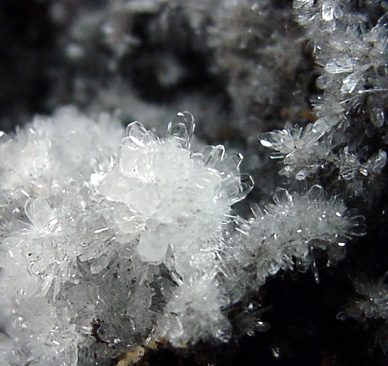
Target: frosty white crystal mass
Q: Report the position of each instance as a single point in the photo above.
(104, 242)
(110, 238)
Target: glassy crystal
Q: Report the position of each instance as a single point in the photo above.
(327, 11)
(339, 66)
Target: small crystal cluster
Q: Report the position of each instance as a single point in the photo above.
(351, 51)
(285, 235)
(352, 56)
(302, 150)
(305, 151)
(370, 306)
(320, 223)
(373, 302)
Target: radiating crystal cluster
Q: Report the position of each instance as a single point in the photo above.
(302, 149)
(373, 302)
(103, 243)
(350, 49)
(114, 240)
(370, 306)
(161, 197)
(286, 235)
(360, 175)
(352, 107)
(297, 224)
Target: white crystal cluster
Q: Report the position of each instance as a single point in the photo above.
(287, 235)
(113, 239)
(285, 243)
(103, 241)
(350, 51)
(110, 238)
(370, 306)
(302, 150)
(306, 151)
(372, 302)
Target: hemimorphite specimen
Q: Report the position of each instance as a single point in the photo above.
(111, 241)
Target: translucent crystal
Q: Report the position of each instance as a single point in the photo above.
(264, 141)
(339, 66)
(328, 11)
(377, 117)
(40, 213)
(373, 300)
(301, 149)
(302, 174)
(338, 12)
(297, 4)
(351, 81)
(215, 156)
(376, 163)
(315, 193)
(231, 163)
(247, 184)
(136, 134)
(182, 128)
(320, 127)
